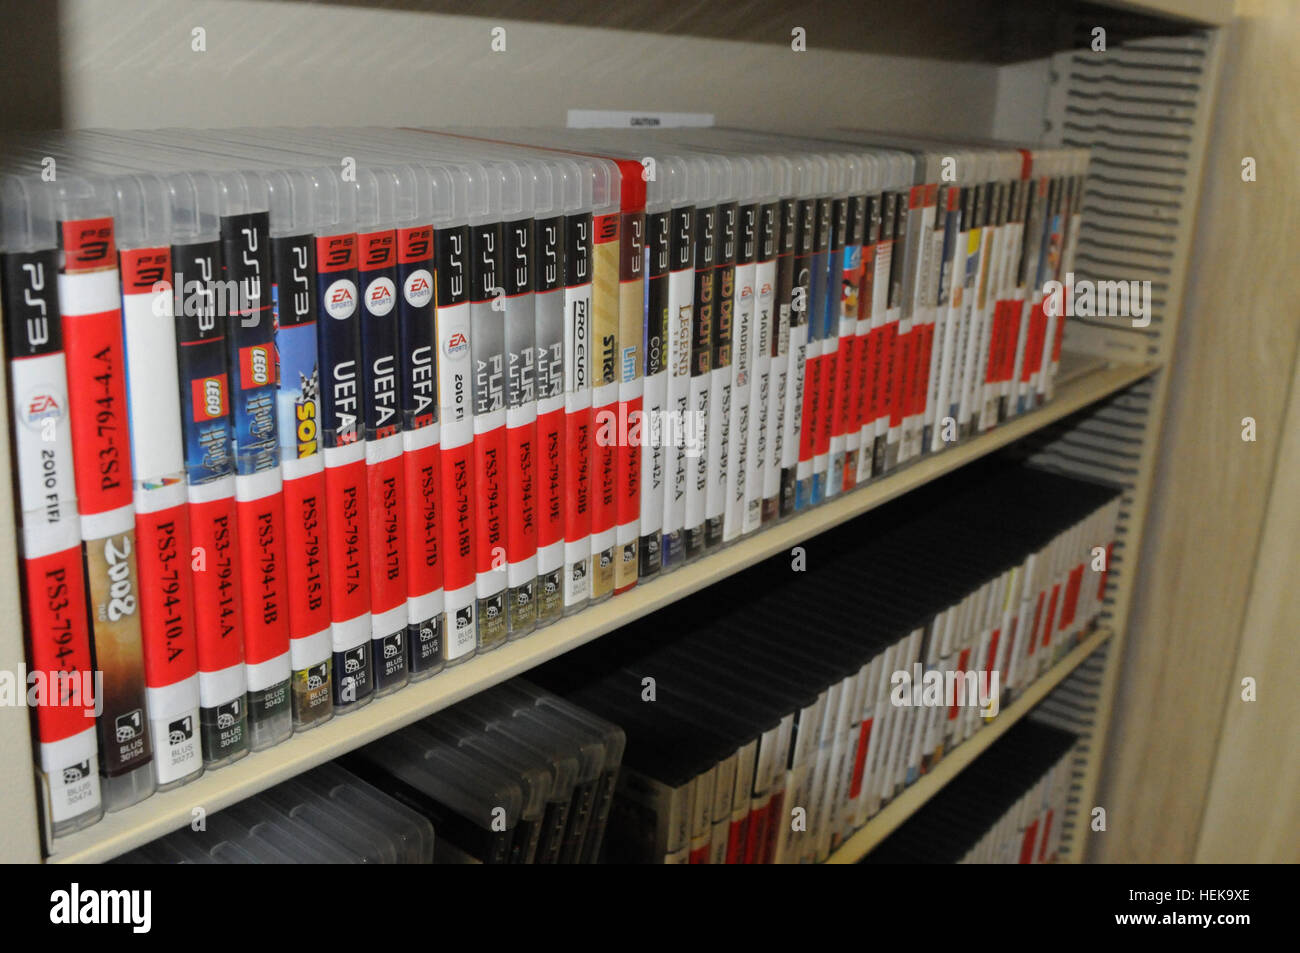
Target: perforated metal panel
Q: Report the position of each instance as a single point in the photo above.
(1142, 108)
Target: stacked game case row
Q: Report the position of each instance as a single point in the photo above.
(1006, 808)
(773, 716)
(302, 415)
(513, 775)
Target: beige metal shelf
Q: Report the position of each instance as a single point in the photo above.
(928, 785)
(1081, 382)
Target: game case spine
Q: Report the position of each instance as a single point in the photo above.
(259, 498)
(706, 251)
(779, 407)
(879, 353)
(656, 436)
(488, 356)
(604, 403)
(741, 375)
(858, 258)
(385, 477)
(520, 463)
(933, 240)
(936, 431)
(678, 452)
(54, 582)
(813, 391)
(891, 350)
(578, 415)
(723, 329)
(762, 391)
(90, 296)
(913, 331)
(346, 503)
(550, 456)
(162, 528)
(421, 450)
(459, 498)
(826, 446)
(208, 440)
(631, 429)
(797, 467)
(295, 311)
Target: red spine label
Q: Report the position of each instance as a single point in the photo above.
(550, 477)
(349, 559)
(807, 423)
(1058, 338)
(1071, 596)
(489, 484)
(629, 463)
(100, 434)
(60, 640)
(577, 474)
(387, 501)
(1027, 845)
(888, 370)
(903, 354)
(304, 546)
(521, 493)
(423, 533)
(1038, 617)
(828, 366)
(1051, 614)
(458, 516)
(756, 836)
(261, 574)
(604, 461)
(219, 626)
(963, 661)
(162, 547)
(860, 761)
(736, 840)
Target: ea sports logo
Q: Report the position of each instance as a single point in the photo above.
(457, 345)
(418, 288)
(381, 296)
(341, 299)
(40, 405)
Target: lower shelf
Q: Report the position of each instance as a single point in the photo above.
(893, 814)
(1081, 382)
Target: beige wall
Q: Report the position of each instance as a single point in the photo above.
(1184, 750)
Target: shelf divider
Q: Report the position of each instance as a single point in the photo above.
(1080, 382)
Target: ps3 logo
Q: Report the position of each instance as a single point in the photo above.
(380, 296)
(341, 299)
(418, 288)
(457, 345)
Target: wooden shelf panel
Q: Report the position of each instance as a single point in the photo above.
(927, 786)
(1081, 382)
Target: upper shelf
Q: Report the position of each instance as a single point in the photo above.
(1082, 381)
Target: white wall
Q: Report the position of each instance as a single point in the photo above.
(130, 64)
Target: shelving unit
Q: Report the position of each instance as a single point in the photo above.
(1104, 419)
(1084, 382)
